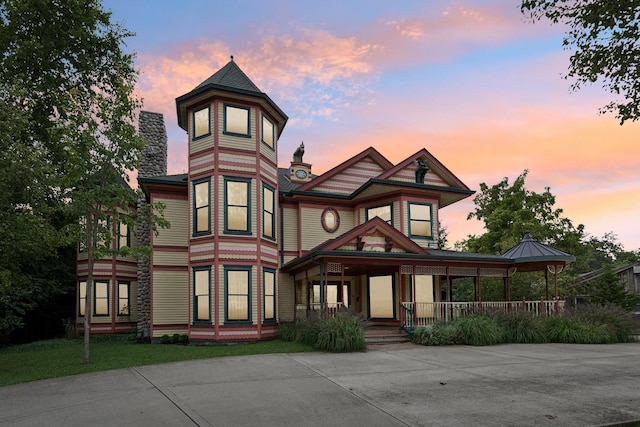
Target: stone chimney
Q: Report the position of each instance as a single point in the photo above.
(154, 155)
(153, 162)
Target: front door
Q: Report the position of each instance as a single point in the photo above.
(381, 292)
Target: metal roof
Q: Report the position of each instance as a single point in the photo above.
(529, 249)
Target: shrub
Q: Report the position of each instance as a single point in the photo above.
(618, 320)
(522, 327)
(479, 329)
(184, 339)
(307, 330)
(165, 339)
(287, 331)
(175, 338)
(440, 333)
(341, 333)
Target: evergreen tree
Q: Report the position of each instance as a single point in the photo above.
(609, 288)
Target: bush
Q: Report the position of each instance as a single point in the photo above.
(287, 331)
(307, 330)
(184, 339)
(342, 333)
(584, 324)
(479, 329)
(522, 327)
(175, 338)
(440, 333)
(618, 320)
(165, 339)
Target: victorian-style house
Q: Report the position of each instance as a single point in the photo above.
(251, 244)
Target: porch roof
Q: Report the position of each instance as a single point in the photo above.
(370, 262)
(531, 255)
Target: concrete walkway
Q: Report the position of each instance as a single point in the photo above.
(406, 385)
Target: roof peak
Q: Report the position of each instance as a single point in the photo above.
(231, 76)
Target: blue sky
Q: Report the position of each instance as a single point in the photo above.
(471, 81)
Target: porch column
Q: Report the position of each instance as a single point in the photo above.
(546, 282)
(478, 287)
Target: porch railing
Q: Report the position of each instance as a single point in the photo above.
(415, 314)
(304, 310)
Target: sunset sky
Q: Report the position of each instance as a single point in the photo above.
(473, 82)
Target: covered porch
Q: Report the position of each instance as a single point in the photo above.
(397, 283)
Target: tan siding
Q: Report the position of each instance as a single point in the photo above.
(268, 153)
(200, 144)
(312, 232)
(176, 212)
(286, 297)
(170, 299)
(396, 215)
(170, 258)
(290, 232)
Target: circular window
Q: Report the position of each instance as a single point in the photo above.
(330, 220)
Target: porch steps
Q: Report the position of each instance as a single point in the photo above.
(379, 335)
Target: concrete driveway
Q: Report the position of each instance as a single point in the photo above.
(406, 385)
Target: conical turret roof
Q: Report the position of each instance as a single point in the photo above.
(229, 78)
(232, 77)
(529, 249)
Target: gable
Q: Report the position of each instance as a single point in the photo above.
(373, 241)
(352, 178)
(351, 174)
(437, 174)
(374, 235)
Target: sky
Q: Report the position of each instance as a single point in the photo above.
(479, 86)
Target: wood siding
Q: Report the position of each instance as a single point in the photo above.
(177, 213)
(349, 181)
(286, 297)
(170, 298)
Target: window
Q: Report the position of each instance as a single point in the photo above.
(124, 307)
(104, 233)
(330, 220)
(268, 209)
(337, 294)
(201, 123)
(82, 293)
(268, 134)
(269, 292)
(420, 220)
(101, 298)
(124, 239)
(201, 291)
(384, 212)
(424, 295)
(201, 207)
(237, 207)
(237, 282)
(236, 120)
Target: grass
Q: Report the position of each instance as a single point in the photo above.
(61, 357)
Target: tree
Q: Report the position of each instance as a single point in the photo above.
(604, 36)
(609, 288)
(508, 211)
(67, 77)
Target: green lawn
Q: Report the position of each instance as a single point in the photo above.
(61, 357)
